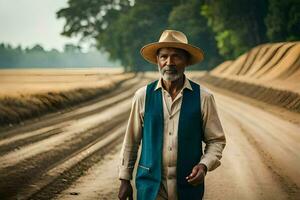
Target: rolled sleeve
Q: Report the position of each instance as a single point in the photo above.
(214, 136)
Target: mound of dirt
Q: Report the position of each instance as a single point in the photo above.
(268, 72)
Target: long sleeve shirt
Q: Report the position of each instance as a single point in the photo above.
(214, 137)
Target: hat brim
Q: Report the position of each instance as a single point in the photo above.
(149, 51)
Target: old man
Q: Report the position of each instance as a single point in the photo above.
(171, 117)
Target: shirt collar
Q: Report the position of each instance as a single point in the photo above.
(186, 84)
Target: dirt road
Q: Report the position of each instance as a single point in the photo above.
(261, 159)
(74, 155)
(44, 157)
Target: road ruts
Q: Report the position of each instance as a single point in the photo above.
(260, 160)
(39, 160)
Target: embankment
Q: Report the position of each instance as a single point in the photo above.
(14, 109)
(268, 72)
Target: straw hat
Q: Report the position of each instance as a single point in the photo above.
(175, 39)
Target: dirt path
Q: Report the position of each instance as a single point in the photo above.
(99, 182)
(75, 155)
(260, 161)
(34, 156)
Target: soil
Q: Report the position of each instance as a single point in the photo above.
(260, 161)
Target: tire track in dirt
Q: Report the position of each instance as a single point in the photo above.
(20, 174)
(70, 113)
(260, 159)
(18, 142)
(62, 176)
(11, 143)
(74, 129)
(99, 182)
(21, 168)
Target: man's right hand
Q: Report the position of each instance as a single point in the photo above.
(125, 190)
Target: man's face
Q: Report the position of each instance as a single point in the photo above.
(171, 63)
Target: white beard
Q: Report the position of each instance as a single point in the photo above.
(169, 77)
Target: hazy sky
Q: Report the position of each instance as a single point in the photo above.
(28, 22)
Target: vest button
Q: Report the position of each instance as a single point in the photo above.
(170, 148)
(170, 133)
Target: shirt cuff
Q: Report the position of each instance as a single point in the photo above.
(125, 173)
(211, 164)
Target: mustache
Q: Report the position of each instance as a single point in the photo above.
(169, 68)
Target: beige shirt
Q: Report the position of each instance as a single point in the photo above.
(214, 136)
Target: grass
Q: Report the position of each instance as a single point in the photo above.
(35, 93)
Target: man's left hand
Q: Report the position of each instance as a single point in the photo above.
(197, 175)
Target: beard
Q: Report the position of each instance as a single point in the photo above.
(170, 73)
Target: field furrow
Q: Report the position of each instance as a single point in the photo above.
(30, 161)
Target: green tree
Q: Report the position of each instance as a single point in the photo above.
(283, 20)
(71, 48)
(118, 27)
(124, 38)
(238, 24)
(91, 19)
(187, 18)
(10, 56)
(37, 48)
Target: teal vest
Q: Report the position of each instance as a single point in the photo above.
(190, 135)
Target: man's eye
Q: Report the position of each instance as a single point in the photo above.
(177, 56)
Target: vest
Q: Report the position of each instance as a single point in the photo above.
(190, 136)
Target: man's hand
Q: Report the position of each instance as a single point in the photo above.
(197, 175)
(125, 190)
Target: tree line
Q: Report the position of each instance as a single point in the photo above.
(38, 57)
(224, 29)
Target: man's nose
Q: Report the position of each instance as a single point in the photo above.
(170, 61)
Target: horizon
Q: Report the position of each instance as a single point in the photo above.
(39, 24)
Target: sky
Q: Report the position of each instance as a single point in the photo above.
(30, 22)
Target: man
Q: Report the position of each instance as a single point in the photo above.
(171, 117)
